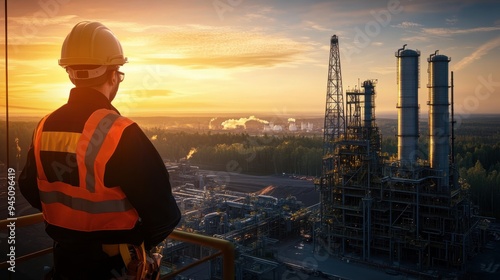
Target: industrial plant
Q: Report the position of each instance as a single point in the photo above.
(253, 223)
(408, 210)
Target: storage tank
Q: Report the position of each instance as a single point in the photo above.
(439, 132)
(408, 84)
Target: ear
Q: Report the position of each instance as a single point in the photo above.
(113, 79)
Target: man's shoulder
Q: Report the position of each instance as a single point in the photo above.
(129, 121)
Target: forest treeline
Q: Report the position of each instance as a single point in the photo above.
(477, 159)
(241, 152)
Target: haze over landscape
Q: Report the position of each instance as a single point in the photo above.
(243, 58)
(231, 94)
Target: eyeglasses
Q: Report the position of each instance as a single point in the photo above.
(121, 75)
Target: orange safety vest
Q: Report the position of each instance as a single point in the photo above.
(91, 206)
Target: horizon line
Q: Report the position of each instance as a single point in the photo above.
(238, 115)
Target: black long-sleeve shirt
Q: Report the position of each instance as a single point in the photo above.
(135, 166)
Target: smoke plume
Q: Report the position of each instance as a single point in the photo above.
(210, 126)
(191, 153)
(241, 122)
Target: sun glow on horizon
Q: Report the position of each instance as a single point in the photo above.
(187, 58)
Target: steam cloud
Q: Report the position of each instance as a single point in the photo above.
(18, 148)
(191, 153)
(210, 126)
(241, 122)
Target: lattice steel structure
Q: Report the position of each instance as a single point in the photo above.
(334, 113)
(334, 130)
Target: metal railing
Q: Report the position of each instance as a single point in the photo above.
(225, 248)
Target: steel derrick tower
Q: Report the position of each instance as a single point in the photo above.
(334, 126)
(334, 130)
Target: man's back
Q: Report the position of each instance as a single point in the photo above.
(135, 167)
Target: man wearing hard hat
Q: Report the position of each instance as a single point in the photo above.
(100, 183)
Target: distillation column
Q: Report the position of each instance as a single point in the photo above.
(439, 123)
(408, 84)
(369, 115)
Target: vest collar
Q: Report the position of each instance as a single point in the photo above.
(90, 96)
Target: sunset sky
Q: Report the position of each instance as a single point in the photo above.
(253, 57)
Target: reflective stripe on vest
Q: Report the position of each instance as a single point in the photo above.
(91, 206)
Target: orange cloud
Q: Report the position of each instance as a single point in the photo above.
(208, 47)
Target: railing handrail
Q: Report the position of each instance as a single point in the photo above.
(225, 247)
(23, 220)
